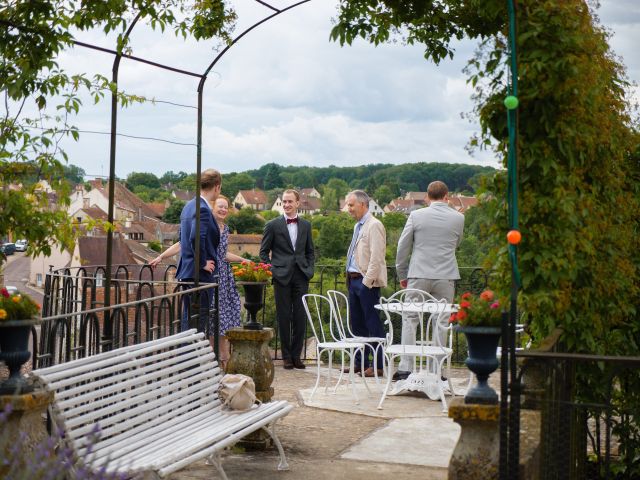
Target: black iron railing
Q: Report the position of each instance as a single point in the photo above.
(76, 322)
(589, 408)
(147, 303)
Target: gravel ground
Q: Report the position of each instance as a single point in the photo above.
(313, 440)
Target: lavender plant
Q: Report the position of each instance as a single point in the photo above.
(49, 459)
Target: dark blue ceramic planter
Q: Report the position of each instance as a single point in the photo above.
(14, 351)
(253, 302)
(482, 343)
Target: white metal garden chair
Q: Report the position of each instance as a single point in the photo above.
(318, 308)
(433, 347)
(341, 318)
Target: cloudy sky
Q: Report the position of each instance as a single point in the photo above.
(286, 94)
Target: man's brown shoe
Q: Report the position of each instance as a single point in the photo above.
(369, 372)
(288, 364)
(355, 370)
(297, 363)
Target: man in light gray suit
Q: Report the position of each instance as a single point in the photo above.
(430, 238)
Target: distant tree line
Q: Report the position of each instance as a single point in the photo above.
(383, 182)
(332, 229)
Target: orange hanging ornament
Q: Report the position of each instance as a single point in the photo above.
(514, 237)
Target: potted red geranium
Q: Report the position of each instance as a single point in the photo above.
(479, 318)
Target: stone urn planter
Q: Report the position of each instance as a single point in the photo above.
(14, 351)
(482, 343)
(253, 302)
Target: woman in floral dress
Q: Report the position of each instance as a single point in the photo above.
(228, 297)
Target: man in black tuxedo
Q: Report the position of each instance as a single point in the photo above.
(287, 245)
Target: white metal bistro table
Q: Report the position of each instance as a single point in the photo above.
(423, 380)
(419, 307)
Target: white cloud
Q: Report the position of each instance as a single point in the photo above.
(286, 94)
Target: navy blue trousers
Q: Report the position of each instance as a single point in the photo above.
(206, 298)
(365, 319)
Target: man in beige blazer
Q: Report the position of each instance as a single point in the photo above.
(366, 273)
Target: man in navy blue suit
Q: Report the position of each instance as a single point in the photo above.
(210, 184)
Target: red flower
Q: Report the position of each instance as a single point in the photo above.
(4, 292)
(479, 309)
(487, 295)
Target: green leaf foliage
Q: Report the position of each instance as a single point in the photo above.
(578, 201)
(335, 232)
(578, 173)
(245, 221)
(577, 198)
(32, 36)
(144, 179)
(173, 211)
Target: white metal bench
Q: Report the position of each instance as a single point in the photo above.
(154, 406)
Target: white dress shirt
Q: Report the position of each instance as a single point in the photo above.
(293, 230)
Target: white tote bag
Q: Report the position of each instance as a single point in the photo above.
(237, 392)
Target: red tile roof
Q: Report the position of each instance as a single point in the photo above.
(416, 196)
(125, 199)
(183, 195)
(95, 213)
(400, 204)
(158, 207)
(254, 197)
(309, 204)
(93, 251)
(461, 202)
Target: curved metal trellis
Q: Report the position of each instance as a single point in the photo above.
(203, 78)
(107, 338)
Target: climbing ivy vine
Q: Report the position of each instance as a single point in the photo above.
(578, 171)
(577, 151)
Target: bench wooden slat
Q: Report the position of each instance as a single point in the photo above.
(119, 413)
(82, 426)
(126, 361)
(77, 396)
(228, 441)
(171, 429)
(96, 400)
(59, 370)
(156, 405)
(180, 437)
(226, 424)
(158, 424)
(193, 441)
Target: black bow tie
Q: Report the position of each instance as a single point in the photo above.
(292, 220)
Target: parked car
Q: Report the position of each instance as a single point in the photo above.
(8, 248)
(11, 289)
(21, 246)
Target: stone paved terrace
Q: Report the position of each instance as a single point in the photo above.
(333, 438)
